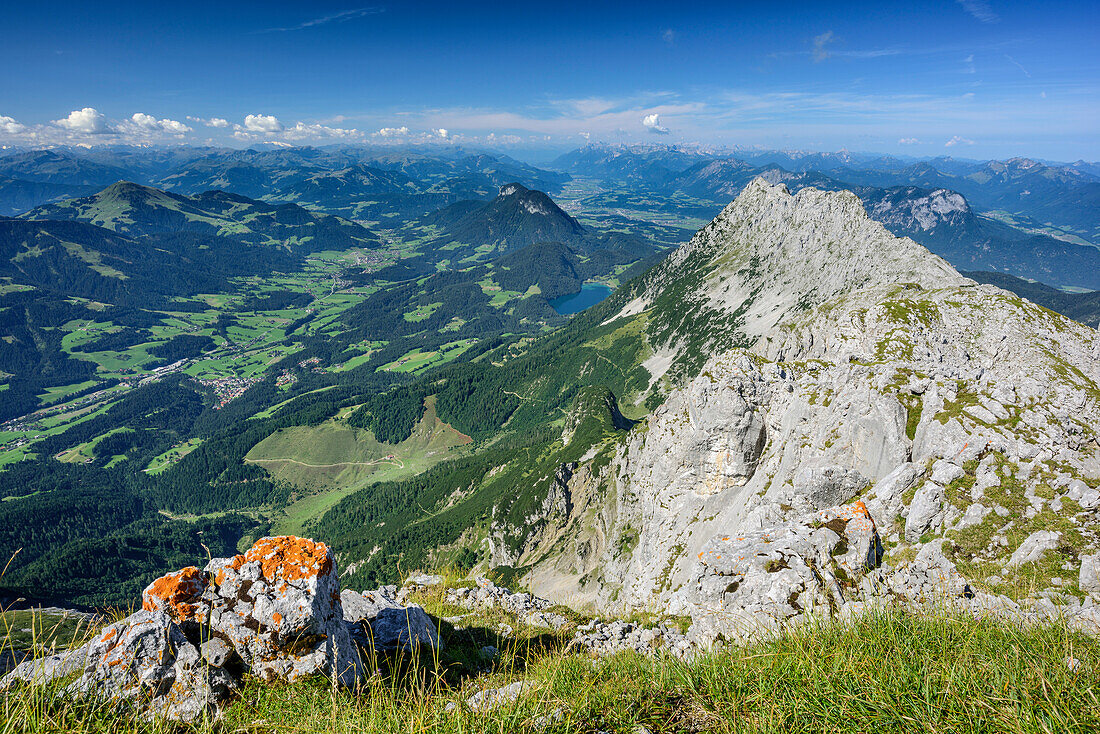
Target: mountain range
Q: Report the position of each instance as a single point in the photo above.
(281, 366)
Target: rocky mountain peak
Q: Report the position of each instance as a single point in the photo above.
(513, 188)
(771, 255)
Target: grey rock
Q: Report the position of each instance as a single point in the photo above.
(1034, 546)
(424, 580)
(377, 622)
(925, 511)
(492, 698)
(944, 472)
(42, 671)
(279, 606)
(828, 486)
(218, 652)
(1083, 494)
(885, 498)
(1089, 579)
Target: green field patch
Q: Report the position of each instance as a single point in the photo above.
(418, 361)
(54, 395)
(268, 412)
(85, 453)
(329, 461)
(422, 312)
(171, 456)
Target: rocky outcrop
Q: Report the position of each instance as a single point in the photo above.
(274, 611)
(760, 578)
(278, 604)
(378, 623)
(484, 594)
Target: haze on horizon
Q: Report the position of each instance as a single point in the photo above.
(966, 78)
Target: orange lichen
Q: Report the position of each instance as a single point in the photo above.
(288, 557)
(176, 593)
(861, 509)
(276, 617)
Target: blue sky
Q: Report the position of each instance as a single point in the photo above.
(969, 78)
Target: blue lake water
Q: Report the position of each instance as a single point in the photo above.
(590, 294)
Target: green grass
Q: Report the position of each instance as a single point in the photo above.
(884, 672)
(163, 461)
(329, 461)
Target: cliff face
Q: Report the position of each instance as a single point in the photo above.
(864, 369)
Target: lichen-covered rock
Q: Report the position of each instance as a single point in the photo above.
(178, 595)
(41, 671)
(145, 661)
(279, 606)
(379, 623)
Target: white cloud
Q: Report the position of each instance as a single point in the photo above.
(9, 126)
(262, 124)
(1019, 66)
(585, 135)
(441, 132)
(908, 141)
(316, 131)
(210, 122)
(150, 124)
(969, 67)
(88, 121)
(325, 19)
(820, 47)
(980, 10)
(393, 132)
(653, 124)
(956, 140)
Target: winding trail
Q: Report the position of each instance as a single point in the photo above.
(396, 462)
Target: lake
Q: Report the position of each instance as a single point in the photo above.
(589, 295)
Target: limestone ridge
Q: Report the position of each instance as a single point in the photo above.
(767, 257)
(862, 367)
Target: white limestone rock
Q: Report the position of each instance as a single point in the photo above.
(1034, 546)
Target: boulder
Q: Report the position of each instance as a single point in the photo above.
(146, 661)
(1089, 578)
(1034, 546)
(378, 623)
(278, 604)
(925, 511)
(885, 498)
(1084, 495)
(828, 486)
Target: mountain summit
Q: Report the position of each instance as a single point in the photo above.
(516, 218)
